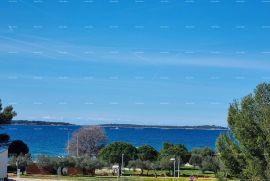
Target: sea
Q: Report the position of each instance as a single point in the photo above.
(52, 140)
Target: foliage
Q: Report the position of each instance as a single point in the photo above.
(147, 153)
(205, 159)
(177, 150)
(88, 140)
(249, 122)
(112, 153)
(230, 156)
(210, 163)
(165, 163)
(18, 147)
(48, 163)
(6, 114)
(195, 160)
(221, 176)
(21, 161)
(88, 165)
(66, 161)
(4, 138)
(143, 165)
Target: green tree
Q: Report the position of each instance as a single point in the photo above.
(21, 162)
(230, 155)
(48, 163)
(18, 147)
(68, 161)
(147, 153)
(88, 165)
(4, 138)
(149, 166)
(112, 153)
(143, 165)
(166, 164)
(54, 164)
(199, 154)
(195, 159)
(249, 122)
(178, 150)
(210, 163)
(6, 114)
(134, 164)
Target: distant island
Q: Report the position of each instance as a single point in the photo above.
(53, 123)
(40, 123)
(200, 127)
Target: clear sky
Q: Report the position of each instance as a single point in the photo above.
(167, 62)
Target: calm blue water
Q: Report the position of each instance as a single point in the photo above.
(53, 139)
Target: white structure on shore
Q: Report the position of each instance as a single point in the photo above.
(3, 163)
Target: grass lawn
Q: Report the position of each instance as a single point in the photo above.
(184, 172)
(124, 178)
(131, 175)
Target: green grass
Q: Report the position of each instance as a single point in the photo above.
(184, 172)
(135, 178)
(130, 175)
(125, 178)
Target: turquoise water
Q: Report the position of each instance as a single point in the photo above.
(52, 140)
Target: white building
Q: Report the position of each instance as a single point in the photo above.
(3, 163)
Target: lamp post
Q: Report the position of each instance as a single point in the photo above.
(122, 164)
(18, 171)
(173, 159)
(118, 173)
(178, 173)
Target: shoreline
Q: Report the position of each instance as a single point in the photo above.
(118, 126)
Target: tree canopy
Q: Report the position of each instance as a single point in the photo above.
(6, 114)
(246, 152)
(178, 150)
(147, 153)
(4, 138)
(18, 147)
(112, 153)
(198, 154)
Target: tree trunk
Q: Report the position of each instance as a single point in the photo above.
(120, 168)
(155, 173)
(141, 171)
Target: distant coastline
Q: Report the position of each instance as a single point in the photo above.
(116, 126)
(40, 123)
(200, 127)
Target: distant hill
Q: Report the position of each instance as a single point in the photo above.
(45, 123)
(201, 127)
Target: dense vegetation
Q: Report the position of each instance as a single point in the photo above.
(145, 158)
(245, 152)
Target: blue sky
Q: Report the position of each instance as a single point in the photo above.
(167, 62)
